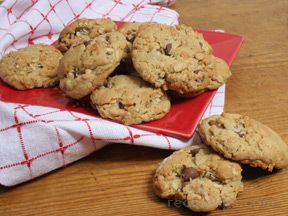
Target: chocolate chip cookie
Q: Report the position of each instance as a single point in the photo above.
(83, 30)
(130, 100)
(200, 178)
(245, 140)
(87, 66)
(31, 67)
(177, 58)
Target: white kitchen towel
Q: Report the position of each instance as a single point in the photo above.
(35, 140)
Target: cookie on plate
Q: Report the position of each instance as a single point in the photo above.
(245, 140)
(177, 58)
(216, 79)
(130, 100)
(200, 178)
(87, 66)
(83, 30)
(31, 67)
(130, 31)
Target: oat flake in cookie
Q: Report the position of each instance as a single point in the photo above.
(87, 66)
(177, 58)
(200, 178)
(130, 100)
(245, 140)
(31, 67)
(83, 30)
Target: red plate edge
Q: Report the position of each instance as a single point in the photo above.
(157, 126)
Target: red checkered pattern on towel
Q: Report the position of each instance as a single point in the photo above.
(35, 139)
(25, 22)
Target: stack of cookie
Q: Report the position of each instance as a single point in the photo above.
(157, 57)
(206, 178)
(160, 60)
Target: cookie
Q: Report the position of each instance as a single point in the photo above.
(130, 100)
(177, 58)
(245, 140)
(216, 79)
(87, 66)
(130, 31)
(83, 30)
(200, 178)
(219, 75)
(31, 67)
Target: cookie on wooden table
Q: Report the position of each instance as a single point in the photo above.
(82, 30)
(31, 67)
(130, 100)
(199, 177)
(245, 140)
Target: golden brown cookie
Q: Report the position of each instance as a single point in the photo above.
(86, 66)
(245, 140)
(31, 67)
(200, 178)
(130, 100)
(177, 58)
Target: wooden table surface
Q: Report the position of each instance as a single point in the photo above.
(117, 179)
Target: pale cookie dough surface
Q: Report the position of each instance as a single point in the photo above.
(245, 140)
(177, 58)
(87, 66)
(200, 178)
(83, 30)
(31, 67)
(130, 100)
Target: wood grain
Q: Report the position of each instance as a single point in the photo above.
(117, 179)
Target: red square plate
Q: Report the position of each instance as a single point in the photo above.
(184, 115)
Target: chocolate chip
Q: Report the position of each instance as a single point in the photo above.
(40, 66)
(194, 151)
(75, 74)
(241, 135)
(189, 172)
(81, 29)
(216, 123)
(86, 43)
(107, 38)
(120, 105)
(168, 49)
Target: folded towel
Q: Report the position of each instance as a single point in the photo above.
(36, 139)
